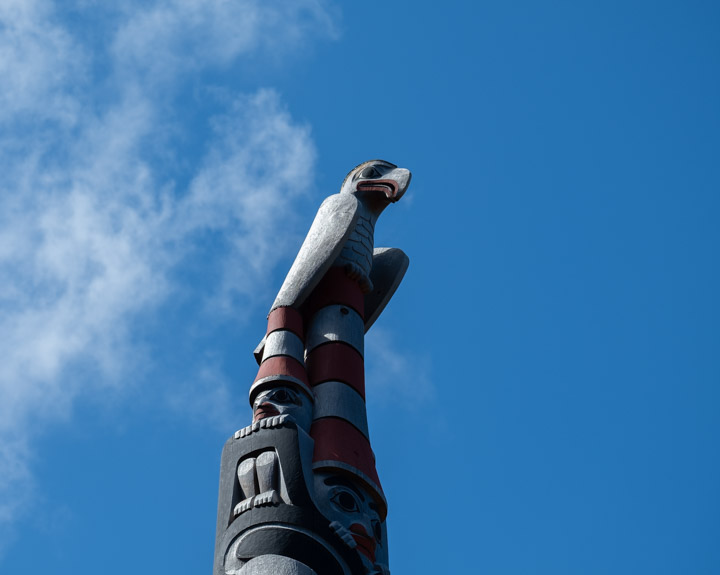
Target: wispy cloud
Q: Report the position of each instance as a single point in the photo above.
(395, 374)
(247, 187)
(92, 225)
(209, 390)
(183, 35)
(40, 64)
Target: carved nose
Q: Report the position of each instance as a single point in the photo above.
(264, 410)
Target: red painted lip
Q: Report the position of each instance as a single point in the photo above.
(366, 544)
(265, 410)
(387, 187)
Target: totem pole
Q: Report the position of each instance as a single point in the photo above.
(299, 492)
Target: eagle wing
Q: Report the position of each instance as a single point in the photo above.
(388, 269)
(333, 224)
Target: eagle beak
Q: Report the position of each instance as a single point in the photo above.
(391, 189)
(401, 177)
(387, 187)
(393, 185)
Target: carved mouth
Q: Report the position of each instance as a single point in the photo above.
(265, 410)
(387, 187)
(365, 544)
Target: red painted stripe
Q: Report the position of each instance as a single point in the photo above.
(337, 440)
(282, 365)
(336, 361)
(337, 288)
(286, 318)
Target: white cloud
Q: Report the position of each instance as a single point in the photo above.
(394, 374)
(92, 227)
(247, 187)
(173, 35)
(40, 64)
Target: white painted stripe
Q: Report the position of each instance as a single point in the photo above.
(337, 399)
(336, 323)
(284, 342)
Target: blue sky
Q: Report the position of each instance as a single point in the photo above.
(543, 390)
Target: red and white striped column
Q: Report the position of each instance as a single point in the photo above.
(336, 372)
(283, 354)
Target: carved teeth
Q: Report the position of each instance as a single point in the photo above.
(267, 423)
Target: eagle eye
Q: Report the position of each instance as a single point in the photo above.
(369, 172)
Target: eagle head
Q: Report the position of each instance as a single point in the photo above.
(377, 182)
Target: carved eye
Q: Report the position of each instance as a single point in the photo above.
(282, 396)
(370, 172)
(345, 501)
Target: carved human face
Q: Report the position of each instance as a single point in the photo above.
(283, 400)
(350, 505)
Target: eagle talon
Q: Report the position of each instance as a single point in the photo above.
(353, 271)
(366, 285)
(356, 273)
